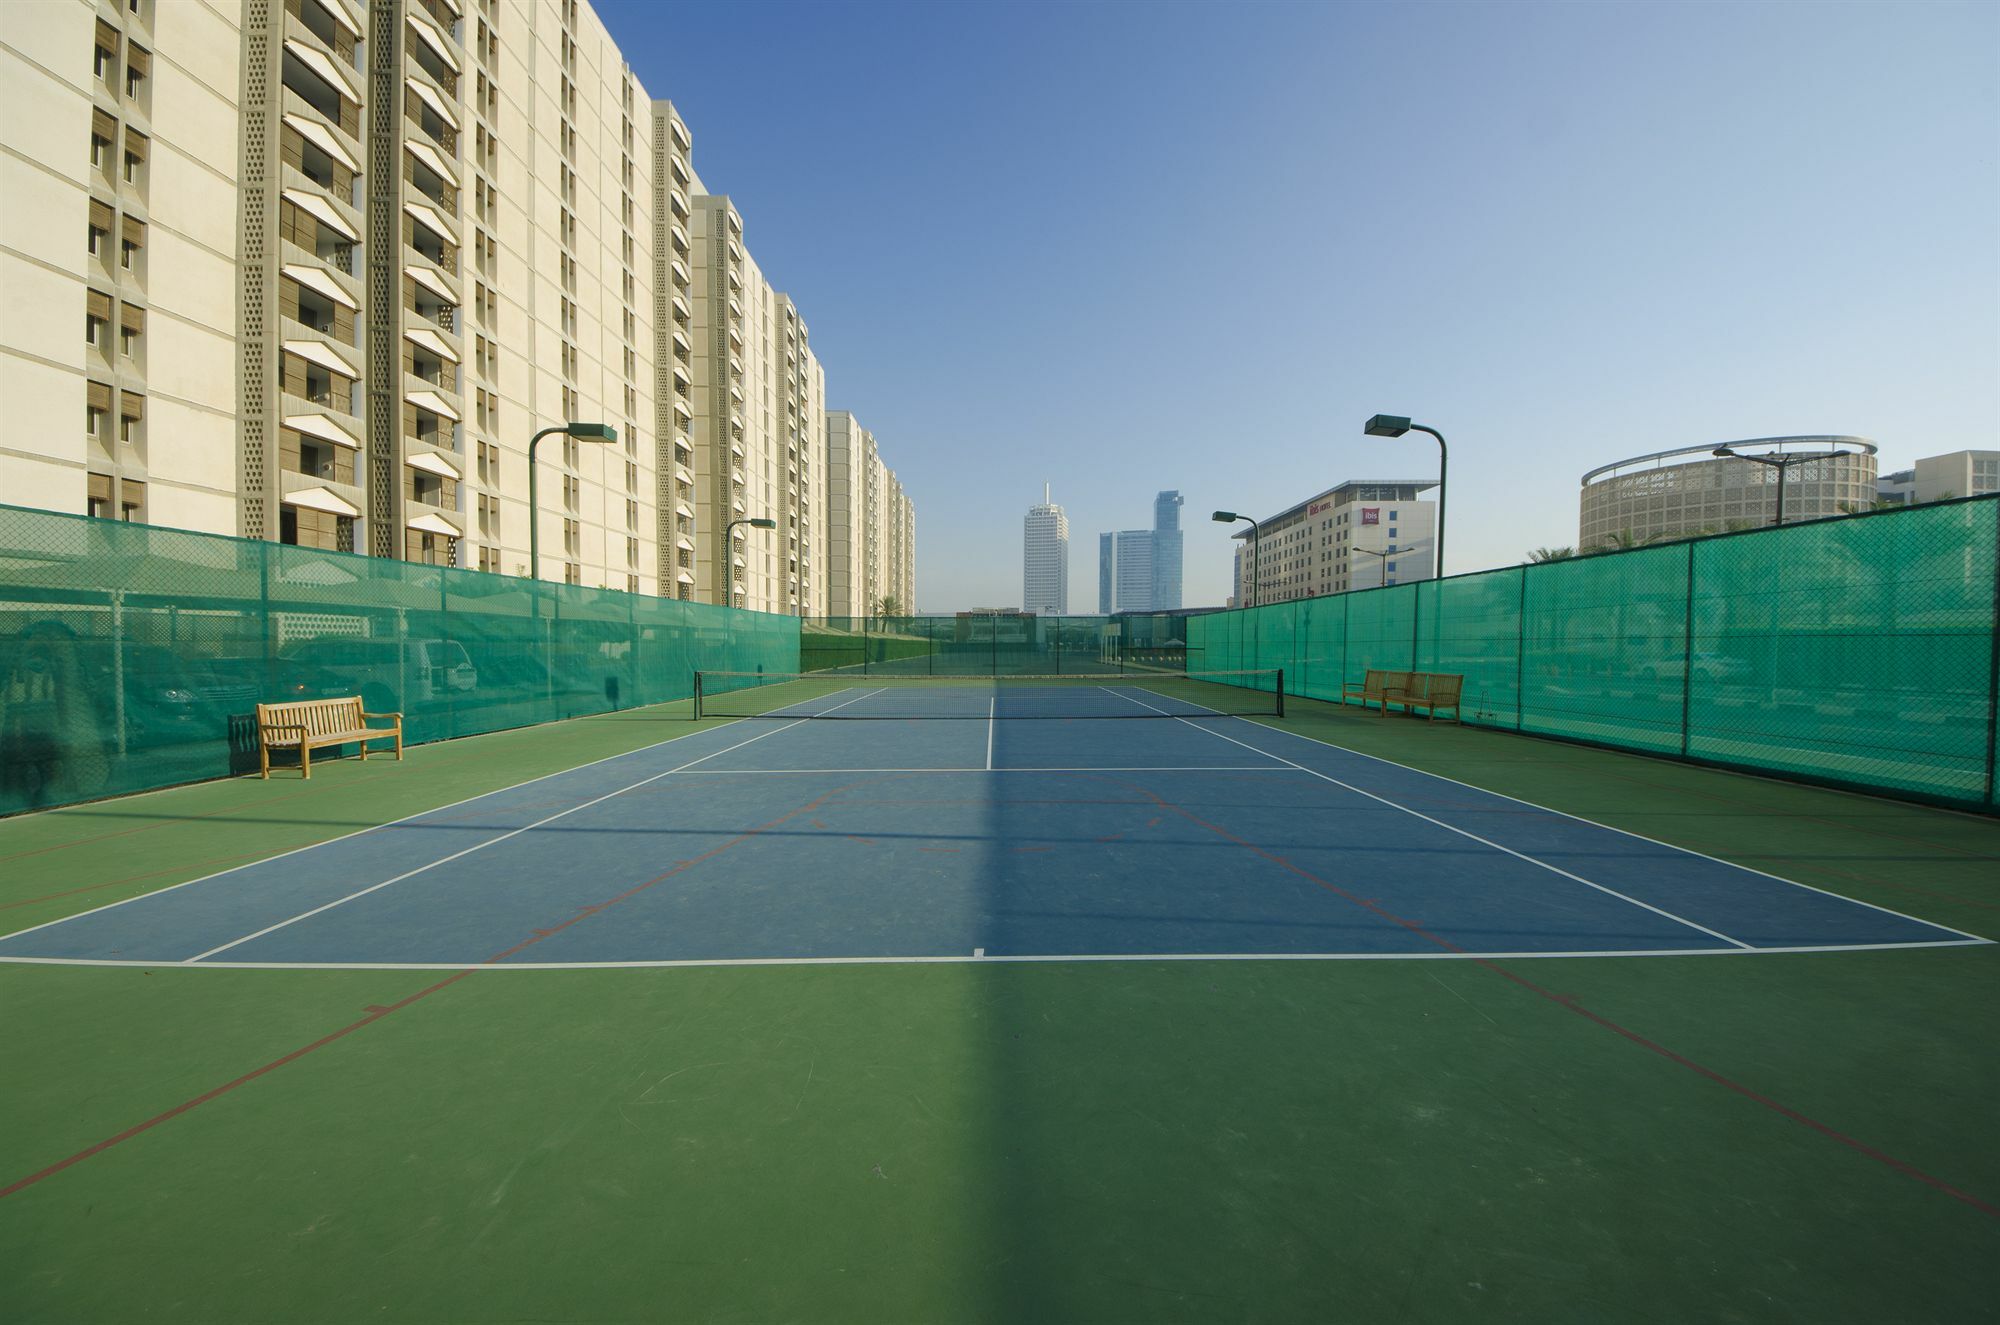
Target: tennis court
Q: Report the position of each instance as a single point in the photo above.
(850, 819)
(973, 998)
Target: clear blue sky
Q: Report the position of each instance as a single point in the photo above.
(1124, 247)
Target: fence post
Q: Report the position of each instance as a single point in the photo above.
(1993, 685)
(1687, 650)
(1521, 655)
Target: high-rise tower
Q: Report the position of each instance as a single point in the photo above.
(1045, 558)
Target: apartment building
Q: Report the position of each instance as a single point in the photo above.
(362, 252)
(871, 525)
(119, 181)
(1363, 534)
(743, 405)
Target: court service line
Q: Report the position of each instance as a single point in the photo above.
(1275, 766)
(495, 841)
(918, 959)
(1623, 832)
(1462, 832)
(371, 828)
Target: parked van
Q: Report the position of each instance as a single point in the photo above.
(389, 675)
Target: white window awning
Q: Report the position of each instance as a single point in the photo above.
(685, 578)
(736, 561)
(680, 472)
(319, 499)
(319, 352)
(431, 280)
(435, 40)
(338, 13)
(324, 428)
(431, 341)
(684, 543)
(681, 508)
(431, 463)
(429, 219)
(433, 98)
(433, 158)
(316, 279)
(322, 137)
(328, 215)
(433, 524)
(433, 402)
(324, 65)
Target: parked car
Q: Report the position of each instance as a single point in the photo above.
(389, 675)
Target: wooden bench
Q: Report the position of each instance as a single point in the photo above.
(1376, 687)
(309, 723)
(1431, 691)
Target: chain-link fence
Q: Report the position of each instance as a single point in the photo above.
(133, 657)
(1862, 651)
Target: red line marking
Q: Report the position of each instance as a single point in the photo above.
(95, 838)
(865, 841)
(1570, 1003)
(133, 878)
(376, 1013)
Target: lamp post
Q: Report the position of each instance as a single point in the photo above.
(729, 542)
(1395, 425)
(1385, 563)
(583, 432)
(1256, 553)
(1781, 463)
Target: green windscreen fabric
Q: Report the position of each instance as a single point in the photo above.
(133, 657)
(996, 644)
(1862, 651)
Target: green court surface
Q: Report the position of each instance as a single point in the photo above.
(1744, 1137)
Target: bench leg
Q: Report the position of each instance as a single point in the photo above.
(264, 760)
(306, 759)
(399, 742)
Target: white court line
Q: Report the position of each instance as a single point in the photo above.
(992, 712)
(371, 828)
(1518, 855)
(1609, 828)
(981, 956)
(495, 841)
(1275, 766)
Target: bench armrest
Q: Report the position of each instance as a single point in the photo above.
(397, 716)
(273, 728)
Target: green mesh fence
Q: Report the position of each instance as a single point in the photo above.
(133, 657)
(1862, 651)
(997, 644)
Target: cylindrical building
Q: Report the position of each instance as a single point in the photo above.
(1690, 490)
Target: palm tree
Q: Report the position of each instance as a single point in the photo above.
(889, 606)
(1541, 554)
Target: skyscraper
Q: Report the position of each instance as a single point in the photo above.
(1045, 558)
(1167, 551)
(1139, 570)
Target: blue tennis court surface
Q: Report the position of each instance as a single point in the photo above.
(782, 839)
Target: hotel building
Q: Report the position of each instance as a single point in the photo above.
(1362, 534)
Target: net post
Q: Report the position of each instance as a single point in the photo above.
(697, 697)
(1281, 692)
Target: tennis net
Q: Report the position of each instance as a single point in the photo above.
(841, 694)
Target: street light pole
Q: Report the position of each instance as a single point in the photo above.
(586, 432)
(1395, 425)
(1256, 548)
(1781, 463)
(729, 544)
(1385, 563)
